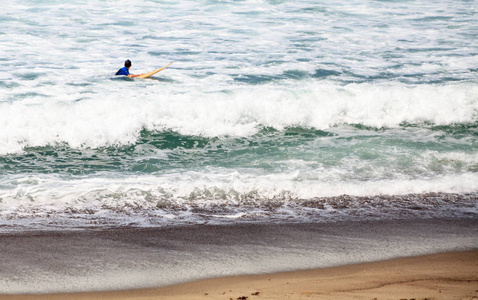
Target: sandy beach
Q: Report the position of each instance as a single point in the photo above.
(395, 259)
(439, 276)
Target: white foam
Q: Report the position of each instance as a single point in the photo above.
(108, 121)
(191, 188)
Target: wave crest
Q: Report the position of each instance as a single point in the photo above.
(105, 121)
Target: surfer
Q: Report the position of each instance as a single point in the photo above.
(125, 70)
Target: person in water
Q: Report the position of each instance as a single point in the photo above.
(125, 70)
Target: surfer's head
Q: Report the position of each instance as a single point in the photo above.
(127, 63)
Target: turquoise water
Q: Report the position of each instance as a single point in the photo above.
(271, 111)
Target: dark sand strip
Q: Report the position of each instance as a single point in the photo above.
(131, 259)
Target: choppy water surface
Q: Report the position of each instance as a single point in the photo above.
(272, 110)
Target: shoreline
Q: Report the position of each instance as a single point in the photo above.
(450, 275)
(137, 259)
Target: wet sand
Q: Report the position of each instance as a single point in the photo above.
(358, 260)
(440, 276)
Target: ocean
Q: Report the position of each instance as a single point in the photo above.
(286, 135)
(273, 111)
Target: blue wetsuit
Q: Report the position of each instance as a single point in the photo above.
(123, 71)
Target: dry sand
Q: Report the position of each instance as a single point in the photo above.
(439, 276)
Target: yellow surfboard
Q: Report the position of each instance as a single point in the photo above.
(146, 75)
